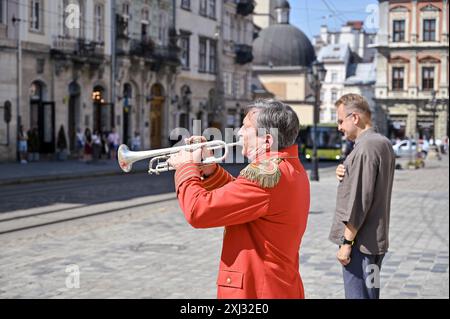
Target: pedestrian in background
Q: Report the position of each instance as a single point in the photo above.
(361, 221)
(136, 142)
(33, 145)
(23, 145)
(87, 145)
(113, 142)
(96, 146)
(61, 145)
(79, 144)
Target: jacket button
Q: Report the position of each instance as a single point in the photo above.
(228, 280)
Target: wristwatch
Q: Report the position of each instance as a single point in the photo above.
(347, 242)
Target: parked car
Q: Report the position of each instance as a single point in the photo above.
(405, 148)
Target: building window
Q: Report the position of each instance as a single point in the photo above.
(36, 15)
(202, 55)
(429, 30)
(126, 10)
(203, 8)
(398, 75)
(333, 116)
(228, 83)
(126, 17)
(212, 9)
(185, 51)
(98, 27)
(236, 83)
(333, 96)
(186, 4)
(334, 77)
(144, 24)
(2, 10)
(322, 116)
(428, 78)
(212, 56)
(163, 31)
(238, 32)
(399, 31)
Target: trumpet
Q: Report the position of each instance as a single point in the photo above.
(158, 158)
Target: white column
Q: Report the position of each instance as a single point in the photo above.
(382, 37)
(382, 75)
(414, 18)
(444, 21)
(413, 74)
(444, 71)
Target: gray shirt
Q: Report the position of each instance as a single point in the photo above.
(364, 195)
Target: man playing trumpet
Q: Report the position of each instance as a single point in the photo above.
(264, 210)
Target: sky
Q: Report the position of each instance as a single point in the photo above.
(309, 15)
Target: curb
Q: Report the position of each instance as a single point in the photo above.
(41, 179)
(65, 177)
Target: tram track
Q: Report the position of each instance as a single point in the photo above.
(26, 222)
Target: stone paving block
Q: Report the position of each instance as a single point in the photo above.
(153, 253)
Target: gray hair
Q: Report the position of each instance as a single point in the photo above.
(274, 114)
(354, 103)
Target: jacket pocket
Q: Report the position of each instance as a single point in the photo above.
(228, 278)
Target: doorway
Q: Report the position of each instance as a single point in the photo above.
(156, 115)
(127, 98)
(42, 118)
(74, 114)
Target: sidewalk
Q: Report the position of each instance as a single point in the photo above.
(15, 173)
(44, 171)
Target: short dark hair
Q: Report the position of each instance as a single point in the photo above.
(275, 114)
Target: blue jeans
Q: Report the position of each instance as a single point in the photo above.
(362, 276)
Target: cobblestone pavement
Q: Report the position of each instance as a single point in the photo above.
(149, 251)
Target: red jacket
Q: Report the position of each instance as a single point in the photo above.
(263, 226)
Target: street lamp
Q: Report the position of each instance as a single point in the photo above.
(316, 75)
(433, 151)
(432, 108)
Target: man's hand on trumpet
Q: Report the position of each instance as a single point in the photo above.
(185, 157)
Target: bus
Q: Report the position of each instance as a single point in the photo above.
(329, 142)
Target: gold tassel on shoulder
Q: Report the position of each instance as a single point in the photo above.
(266, 174)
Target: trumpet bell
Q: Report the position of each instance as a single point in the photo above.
(158, 158)
(124, 162)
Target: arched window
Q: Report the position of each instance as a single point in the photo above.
(99, 18)
(145, 22)
(36, 91)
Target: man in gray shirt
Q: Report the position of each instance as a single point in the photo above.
(361, 222)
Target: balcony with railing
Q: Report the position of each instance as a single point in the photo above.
(143, 48)
(244, 53)
(167, 54)
(76, 48)
(245, 7)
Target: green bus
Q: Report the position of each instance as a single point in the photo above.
(329, 142)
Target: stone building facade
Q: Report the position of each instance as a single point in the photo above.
(412, 67)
